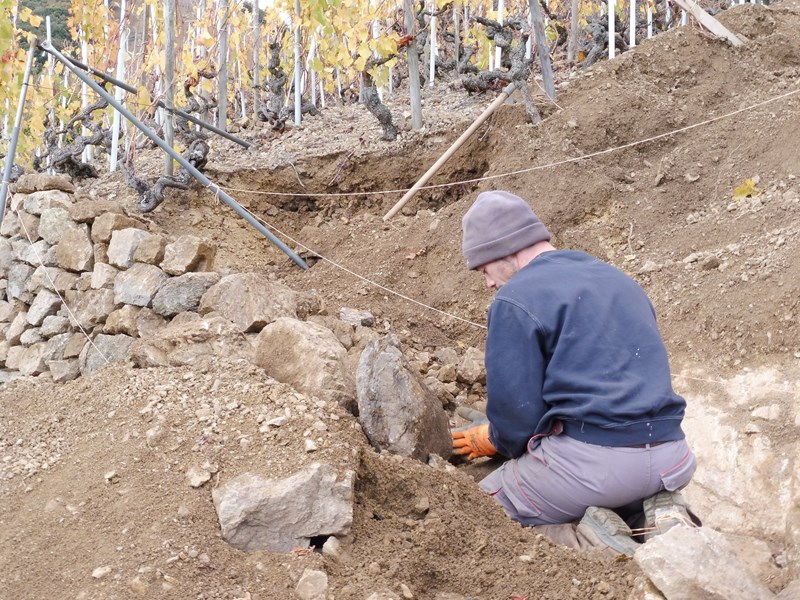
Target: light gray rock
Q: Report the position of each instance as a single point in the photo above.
(193, 343)
(33, 254)
(54, 325)
(106, 224)
(357, 317)
(43, 278)
(151, 250)
(188, 253)
(10, 226)
(74, 251)
(31, 336)
(32, 360)
(35, 202)
(313, 585)
(64, 370)
(183, 293)
(55, 346)
(65, 280)
(123, 320)
(86, 211)
(7, 311)
(90, 308)
(687, 563)
(258, 514)
(39, 182)
(13, 357)
(100, 253)
(123, 246)
(138, 285)
(54, 223)
(249, 300)
(6, 256)
(103, 275)
(471, 369)
(308, 357)
(45, 304)
(397, 411)
(18, 276)
(17, 328)
(104, 350)
(77, 341)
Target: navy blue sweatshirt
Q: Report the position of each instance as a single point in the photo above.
(575, 340)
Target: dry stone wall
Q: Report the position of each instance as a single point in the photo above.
(81, 281)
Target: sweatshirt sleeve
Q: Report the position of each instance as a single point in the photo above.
(515, 366)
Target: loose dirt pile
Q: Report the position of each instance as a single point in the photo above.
(92, 473)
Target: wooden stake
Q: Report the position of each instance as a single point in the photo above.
(709, 22)
(509, 89)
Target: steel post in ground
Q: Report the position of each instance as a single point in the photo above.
(194, 172)
(12, 145)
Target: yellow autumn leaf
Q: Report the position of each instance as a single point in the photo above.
(746, 190)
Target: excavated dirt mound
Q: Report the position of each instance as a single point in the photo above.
(93, 472)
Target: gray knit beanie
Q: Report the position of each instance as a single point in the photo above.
(497, 225)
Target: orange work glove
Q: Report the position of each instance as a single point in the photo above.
(473, 442)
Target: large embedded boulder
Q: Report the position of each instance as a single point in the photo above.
(249, 300)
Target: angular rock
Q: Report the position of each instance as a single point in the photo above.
(64, 280)
(148, 322)
(29, 226)
(101, 253)
(90, 308)
(194, 343)
(123, 246)
(10, 226)
(357, 317)
(151, 250)
(54, 325)
(40, 182)
(75, 345)
(103, 275)
(31, 336)
(686, 563)
(106, 224)
(6, 256)
(64, 370)
(74, 251)
(17, 328)
(13, 356)
(33, 254)
(105, 349)
(397, 411)
(86, 211)
(472, 368)
(313, 585)
(32, 360)
(183, 293)
(249, 300)
(54, 223)
(188, 253)
(45, 304)
(122, 320)
(7, 311)
(43, 278)
(54, 347)
(138, 285)
(36, 202)
(258, 514)
(18, 276)
(308, 357)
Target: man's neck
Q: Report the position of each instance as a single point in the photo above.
(526, 255)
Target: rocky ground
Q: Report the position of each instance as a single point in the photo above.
(95, 477)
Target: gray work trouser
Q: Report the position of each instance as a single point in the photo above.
(558, 479)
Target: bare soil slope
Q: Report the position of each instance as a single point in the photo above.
(92, 473)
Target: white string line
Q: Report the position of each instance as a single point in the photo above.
(362, 278)
(529, 169)
(52, 283)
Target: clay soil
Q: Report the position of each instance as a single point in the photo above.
(93, 472)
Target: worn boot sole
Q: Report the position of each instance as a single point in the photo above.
(610, 529)
(663, 511)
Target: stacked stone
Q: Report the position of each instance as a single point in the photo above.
(118, 281)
